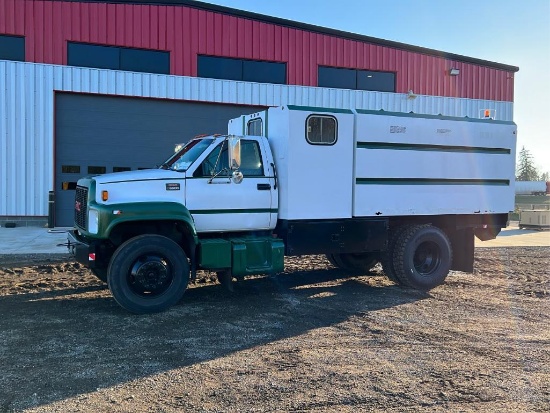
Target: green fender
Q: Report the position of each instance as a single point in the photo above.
(112, 215)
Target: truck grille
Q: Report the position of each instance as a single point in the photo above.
(81, 207)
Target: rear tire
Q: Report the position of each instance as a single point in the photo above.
(422, 257)
(148, 274)
(363, 262)
(359, 263)
(387, 258)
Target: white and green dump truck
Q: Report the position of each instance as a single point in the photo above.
(410, 191)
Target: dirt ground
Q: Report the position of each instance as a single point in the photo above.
(311, 339)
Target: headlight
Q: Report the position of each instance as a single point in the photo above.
(93, 221)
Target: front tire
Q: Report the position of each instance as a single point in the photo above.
(422, 257)
(148, 274)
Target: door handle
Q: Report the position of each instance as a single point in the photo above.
(264, 187)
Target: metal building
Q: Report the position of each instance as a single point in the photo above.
(96, 86)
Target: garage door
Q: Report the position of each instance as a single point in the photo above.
(103, 134)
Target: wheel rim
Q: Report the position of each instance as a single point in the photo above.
(150, 276)
(427, 258)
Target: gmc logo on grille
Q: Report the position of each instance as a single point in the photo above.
(77, 205)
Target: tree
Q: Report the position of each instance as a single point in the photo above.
(527, 170)
(545, 176)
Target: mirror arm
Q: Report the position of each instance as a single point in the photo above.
(217, 174)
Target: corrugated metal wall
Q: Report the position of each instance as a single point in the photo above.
(27, 114)
(187, 32)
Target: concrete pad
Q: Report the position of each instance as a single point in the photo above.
(515, 237)
(32, 240)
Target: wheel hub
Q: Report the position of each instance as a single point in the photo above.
(150, 275)
(427, 258)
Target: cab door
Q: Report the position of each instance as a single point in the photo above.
(218, 204)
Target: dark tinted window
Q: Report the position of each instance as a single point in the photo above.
(338, 78)
(12, 48)
(356, 79)
(97, 169)
(240, 69)
(90, 55)
(121, 168)
(70, 169)
(380, 81)
(150, 61)
(264, 72)
(118, 58)
(220, 68)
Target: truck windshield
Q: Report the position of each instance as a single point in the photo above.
(183, 159)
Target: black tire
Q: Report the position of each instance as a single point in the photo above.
(357, 263)
(148, 274)
(387, 257)
(100, 273)
(422, 257)
(362, 263)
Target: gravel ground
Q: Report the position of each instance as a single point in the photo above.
(310, 339)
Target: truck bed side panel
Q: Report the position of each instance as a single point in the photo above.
(428, 166)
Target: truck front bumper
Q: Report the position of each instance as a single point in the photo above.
(83, 252)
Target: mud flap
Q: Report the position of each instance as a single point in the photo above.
(462, 241)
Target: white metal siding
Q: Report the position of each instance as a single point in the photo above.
(27, 114)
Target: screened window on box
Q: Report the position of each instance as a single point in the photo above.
(254, 127)
(321, 130)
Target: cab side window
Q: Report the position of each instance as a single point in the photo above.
(215, 163)
(251, 159)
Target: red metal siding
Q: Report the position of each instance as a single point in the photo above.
(187, 32)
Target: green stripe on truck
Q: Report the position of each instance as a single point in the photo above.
(429, 147)
(431, 181)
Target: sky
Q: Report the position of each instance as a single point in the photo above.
(513, 32)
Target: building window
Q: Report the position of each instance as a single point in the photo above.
(240, 69)
(118, 58)
(12, 48)
(321, 130)
(254, 127)
(356, 79)
(70, 169)
(95, 170)
(121, 168)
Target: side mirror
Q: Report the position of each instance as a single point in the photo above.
(234, 151)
